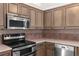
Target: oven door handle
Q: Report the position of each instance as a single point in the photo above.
(30, 54)
(20, 48)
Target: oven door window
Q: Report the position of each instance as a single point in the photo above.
(26, 51)
(16, 23)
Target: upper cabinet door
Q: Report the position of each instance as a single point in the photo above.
(1, 14)
(58, 15)
(36, 17)
(13, 8)
(48, 19)
(24, 10)
(33, 18)
(39, 19)
(72, 15)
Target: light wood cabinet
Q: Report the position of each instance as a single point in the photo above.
(49, 49)
(1, 14)
(41, 51)
(72, 15)
(45, 49)
(58, 15)
(62, 17)
(20, 9)
(24, 10)
(54, 18)
(36, 17)
(2, 18)
(39, 19)
(76, 51)
(5, 53)
(33, 18)
(12, 8)
(48, 19)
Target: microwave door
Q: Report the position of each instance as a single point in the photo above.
(16, 24)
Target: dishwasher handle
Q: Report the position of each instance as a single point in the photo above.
(63, 47)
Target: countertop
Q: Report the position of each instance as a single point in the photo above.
(58, 41)
(4, 48)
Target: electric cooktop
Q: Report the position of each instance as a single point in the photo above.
(20, 43)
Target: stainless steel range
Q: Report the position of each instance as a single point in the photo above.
(20, 46)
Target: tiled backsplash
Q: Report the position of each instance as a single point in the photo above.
(54, 34)
(63, 34)
(34, 36)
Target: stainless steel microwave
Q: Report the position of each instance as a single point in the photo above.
(17, 22)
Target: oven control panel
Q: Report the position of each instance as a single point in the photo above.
(13, 36)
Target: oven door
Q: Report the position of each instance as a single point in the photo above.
(25, 51)
(31, 51)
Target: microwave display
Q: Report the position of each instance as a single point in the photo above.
(14, 23)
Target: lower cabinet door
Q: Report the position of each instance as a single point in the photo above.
(50, 52)
(45, 49)
(76, 51)
(41, 49)
(49, 49)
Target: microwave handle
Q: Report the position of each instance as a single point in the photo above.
(28, 24)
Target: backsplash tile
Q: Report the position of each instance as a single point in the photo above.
(34, 34)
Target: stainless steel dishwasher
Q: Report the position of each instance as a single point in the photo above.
(63, 50)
